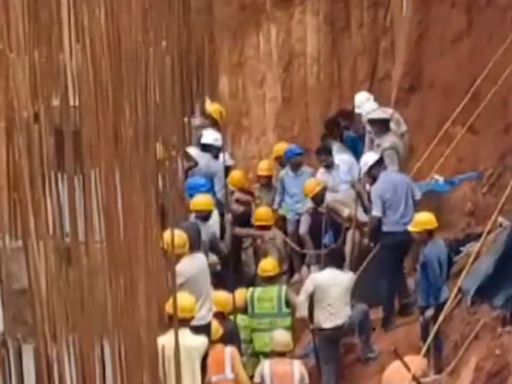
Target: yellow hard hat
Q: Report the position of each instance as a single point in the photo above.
(240, 298)
(202, 202)
(263, 216)
(269, 267)
(187, 305)
(279, 149)
(281, 341)
(237, 179)
(175, 240)
(215, 110)
(423, 221)
(265, 168)
(222, 301)
(216, 331)
(313, 186)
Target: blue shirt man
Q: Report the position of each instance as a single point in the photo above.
(432, 276)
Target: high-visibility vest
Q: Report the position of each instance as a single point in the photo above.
(281, 371)
(220, 365)
(268, 310)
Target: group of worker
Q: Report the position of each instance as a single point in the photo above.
(246, 248)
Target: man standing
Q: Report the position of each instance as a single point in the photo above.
(393, 202)
(192, 347)
(334, 317)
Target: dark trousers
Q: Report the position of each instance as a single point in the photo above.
(426, 325)
(328, 342)
(394, 247)
(203, 330)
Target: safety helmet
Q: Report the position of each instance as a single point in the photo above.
(361, 100)
(186, 304)
(175, 240)
(202, 202)
(281, 341)
(215, 110)
(368, 160)
(265, 168)
(279, 149)
(313, 186)
(217, 330)
(210, 136)
(240, 298)
(292, 152)
(263, 216)
(396, 373)
(269, 267)
(423, 221)
(378, 114)
(222, 301)
(237, 179)
(195, 185)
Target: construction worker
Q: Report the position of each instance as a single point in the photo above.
(290, 200)
(192, 347)
(224, 361)
(280, 368)
(215, 113)
(278, 152)
(192, 273)
(268, 305)
(353, 131)
(207, 162)
(394, 197)
(242, 321)
(328, 293)
(241, 197)
(318, 228)
(432, 280)
(196, 185)
(223, 307)
(265, 190)
(385, 141)
(333, 137)
(201, 208)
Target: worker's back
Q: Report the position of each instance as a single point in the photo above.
(220, 364)
(281, 370)
(210, 168)
(192, 349)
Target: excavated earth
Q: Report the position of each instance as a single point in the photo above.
(284, 65)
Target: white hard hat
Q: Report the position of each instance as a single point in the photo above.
(378, 114)
(281, 341)
(211, 136)
(369, 108)
(362, 98)
(368, 160)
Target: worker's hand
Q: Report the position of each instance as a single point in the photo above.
(429, 314)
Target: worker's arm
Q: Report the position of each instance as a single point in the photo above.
(238, 368)
(258, 373)
(218, 247)
(416, 194)
(305, 295)
(377, 212)
(435, 274)
(248, 232)
(303, 374)
(279, 192)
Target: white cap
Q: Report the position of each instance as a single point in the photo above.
(362, 98)
(210, 136)
(368, 160)
(378, 114)
(282, 341)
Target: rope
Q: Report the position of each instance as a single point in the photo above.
(449, 122)
(470, 262)
(471, 120)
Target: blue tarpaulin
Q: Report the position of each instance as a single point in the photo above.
(447, 185)
(490, 279)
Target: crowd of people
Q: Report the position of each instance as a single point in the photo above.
(252, 259)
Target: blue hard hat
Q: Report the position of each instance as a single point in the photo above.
(293, 151)
(198, 184)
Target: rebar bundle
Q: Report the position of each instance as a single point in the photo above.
(88, 87)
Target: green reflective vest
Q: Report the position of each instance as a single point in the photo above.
(268, 310)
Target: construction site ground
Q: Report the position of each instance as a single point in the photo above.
(279, 67)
